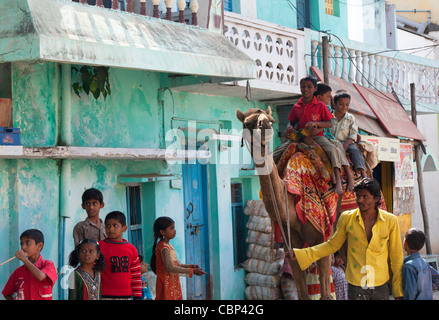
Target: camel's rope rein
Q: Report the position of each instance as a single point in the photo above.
(276, 208)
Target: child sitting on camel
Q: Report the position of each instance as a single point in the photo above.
(313, 115)
(345, 130)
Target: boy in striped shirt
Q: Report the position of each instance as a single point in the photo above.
(121, 279)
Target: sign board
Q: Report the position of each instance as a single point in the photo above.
(390, 113)
(388, 149)
(404, 169)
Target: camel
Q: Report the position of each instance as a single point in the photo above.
(260, 132)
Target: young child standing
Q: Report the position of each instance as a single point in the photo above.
(339, 277)
(85, 280)
(146, 293)
(345, 130)
(92, 227)
(36, 277)
(313, 115)
(121, 278)
(165, 264)
(416, 275)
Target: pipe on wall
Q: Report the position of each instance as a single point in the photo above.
(65, 137)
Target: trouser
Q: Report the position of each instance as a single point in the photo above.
(334, 150)
(356, 157)
(360, 293)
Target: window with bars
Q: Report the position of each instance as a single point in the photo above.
(134, 215)
(329, 7)
(239, 230)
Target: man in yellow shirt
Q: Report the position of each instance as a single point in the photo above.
(373, 237)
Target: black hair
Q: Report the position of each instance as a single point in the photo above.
(117, 215)
(34, 234)
(74, 255)
(92, 193)
(415, 239)
(161, 223)
(322, 88)
(309, 78)
(341, 94)
(371, 185)
(141, 258)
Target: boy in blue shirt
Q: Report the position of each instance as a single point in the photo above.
(416, 274)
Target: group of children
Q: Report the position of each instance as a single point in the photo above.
(107, 267)
(334, 132)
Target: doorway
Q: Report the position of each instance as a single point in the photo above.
(195, 187)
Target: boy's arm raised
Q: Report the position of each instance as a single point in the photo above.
(37, 273)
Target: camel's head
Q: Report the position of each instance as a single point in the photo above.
(259, 125)
(258, 132)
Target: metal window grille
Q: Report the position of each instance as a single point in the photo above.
(135, 235)
(238, 224)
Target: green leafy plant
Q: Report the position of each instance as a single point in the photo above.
(94, 80)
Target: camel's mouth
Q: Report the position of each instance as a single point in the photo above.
(259, 127)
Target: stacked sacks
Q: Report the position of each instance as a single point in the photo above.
(264, 263)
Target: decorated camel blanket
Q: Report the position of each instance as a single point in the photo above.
(307, 171)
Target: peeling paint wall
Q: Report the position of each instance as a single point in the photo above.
(131, 117)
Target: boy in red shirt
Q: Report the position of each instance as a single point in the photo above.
(35, 279)
(121, 278)
(313, 115)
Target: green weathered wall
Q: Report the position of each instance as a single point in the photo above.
(35, 194)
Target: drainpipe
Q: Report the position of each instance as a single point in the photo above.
(416, 11)
(419, 26)
(64, 138)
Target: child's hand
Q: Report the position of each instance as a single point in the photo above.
(311, 125)
(21, 255)
(199, 271)
(288, 131)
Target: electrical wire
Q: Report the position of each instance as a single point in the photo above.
(350, 57)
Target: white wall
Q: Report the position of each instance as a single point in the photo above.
(408, 40)
(428, 124)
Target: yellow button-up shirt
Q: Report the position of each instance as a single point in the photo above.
(367, 262)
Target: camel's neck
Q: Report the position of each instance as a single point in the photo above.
(268, 176)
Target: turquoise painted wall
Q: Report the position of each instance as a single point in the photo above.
(279, 12)
(336, 24)
(130, 117)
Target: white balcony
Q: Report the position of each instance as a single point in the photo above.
(383, 70)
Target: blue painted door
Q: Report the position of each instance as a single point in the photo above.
(303, 14)
(196, 228)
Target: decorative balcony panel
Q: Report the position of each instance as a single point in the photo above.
(278, 52)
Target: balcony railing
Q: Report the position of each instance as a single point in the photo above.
(151, 7)
(383, 71)
(278, 51)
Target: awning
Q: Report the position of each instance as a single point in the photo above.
(377, 112)
(390, 113)
(370, 125)
(70, 32)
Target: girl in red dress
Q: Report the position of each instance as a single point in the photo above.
(164, 262)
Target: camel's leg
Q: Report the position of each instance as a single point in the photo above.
(299, 279)
(324, 266)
